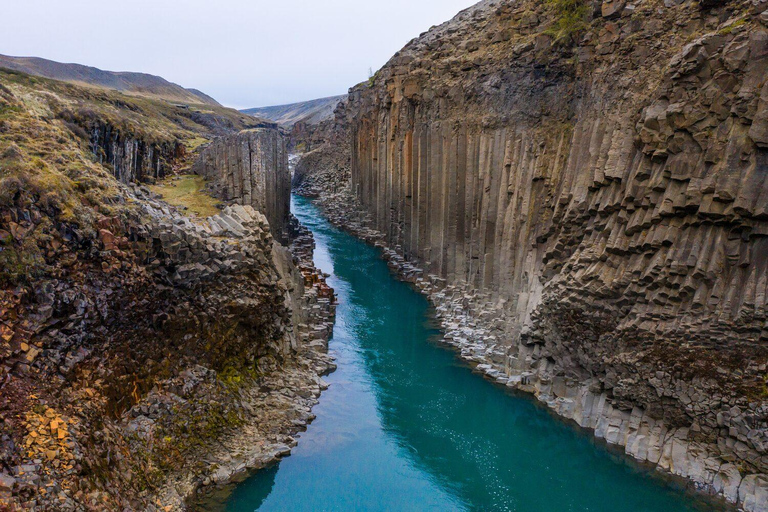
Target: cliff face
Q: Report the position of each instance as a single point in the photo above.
(136, 343)
(138, 139)
(133, 159)
(251, 168)
(593, 184)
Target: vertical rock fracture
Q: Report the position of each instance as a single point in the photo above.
(241, 167)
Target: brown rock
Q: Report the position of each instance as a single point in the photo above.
(759, 130)
(612, 8)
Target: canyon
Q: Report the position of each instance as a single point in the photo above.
(579, 188)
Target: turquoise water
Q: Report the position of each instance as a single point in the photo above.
(406, 426)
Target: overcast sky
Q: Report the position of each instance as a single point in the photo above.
(244, 53)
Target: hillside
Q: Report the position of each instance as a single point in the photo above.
(135, 84)
(310, 112)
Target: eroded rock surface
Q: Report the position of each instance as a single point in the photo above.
(144, 355)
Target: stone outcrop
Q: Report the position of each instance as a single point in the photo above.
(251, 168)
(585, 203)
(324, 167)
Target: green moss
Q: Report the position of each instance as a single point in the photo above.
(235, 376)
(730, 28)
(372, 79)
(21, 262)
(194, 143)
(187, 430)
(231, 377)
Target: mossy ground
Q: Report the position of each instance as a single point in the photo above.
(188, 193)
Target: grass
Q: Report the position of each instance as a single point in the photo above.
(188, 193)
(194, 143)
(571, 20)
(153, 120)
(730, 28)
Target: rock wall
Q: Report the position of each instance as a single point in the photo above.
(129, 372)
(251, 168)
(133, 159)
(130, 154)
(596, 195)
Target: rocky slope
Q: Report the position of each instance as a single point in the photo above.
(324, 168)
(135, 84)
(143, 354)
(581, 188)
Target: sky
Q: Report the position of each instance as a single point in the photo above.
(244, 53)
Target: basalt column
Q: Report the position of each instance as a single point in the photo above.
(251, 168)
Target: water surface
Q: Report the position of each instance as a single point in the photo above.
(405, 425)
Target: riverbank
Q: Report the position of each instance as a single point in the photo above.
(474, 324)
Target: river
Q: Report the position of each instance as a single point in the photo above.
(406, 425)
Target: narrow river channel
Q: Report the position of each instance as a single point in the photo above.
(406, 426)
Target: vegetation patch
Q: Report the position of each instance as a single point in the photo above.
(571, 19)
(733, 26)
(187, 192)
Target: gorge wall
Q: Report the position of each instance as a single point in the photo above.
(588, 183)
(251, 167)
(138, 345)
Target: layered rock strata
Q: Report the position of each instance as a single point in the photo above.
(251, 167)
(586, 207)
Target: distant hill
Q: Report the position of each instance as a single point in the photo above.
(311, 112)
(135, 84)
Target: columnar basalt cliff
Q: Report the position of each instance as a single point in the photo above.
(144, 354)
(325, 169)
(132, 159)
(251, 168)
(585, 186)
